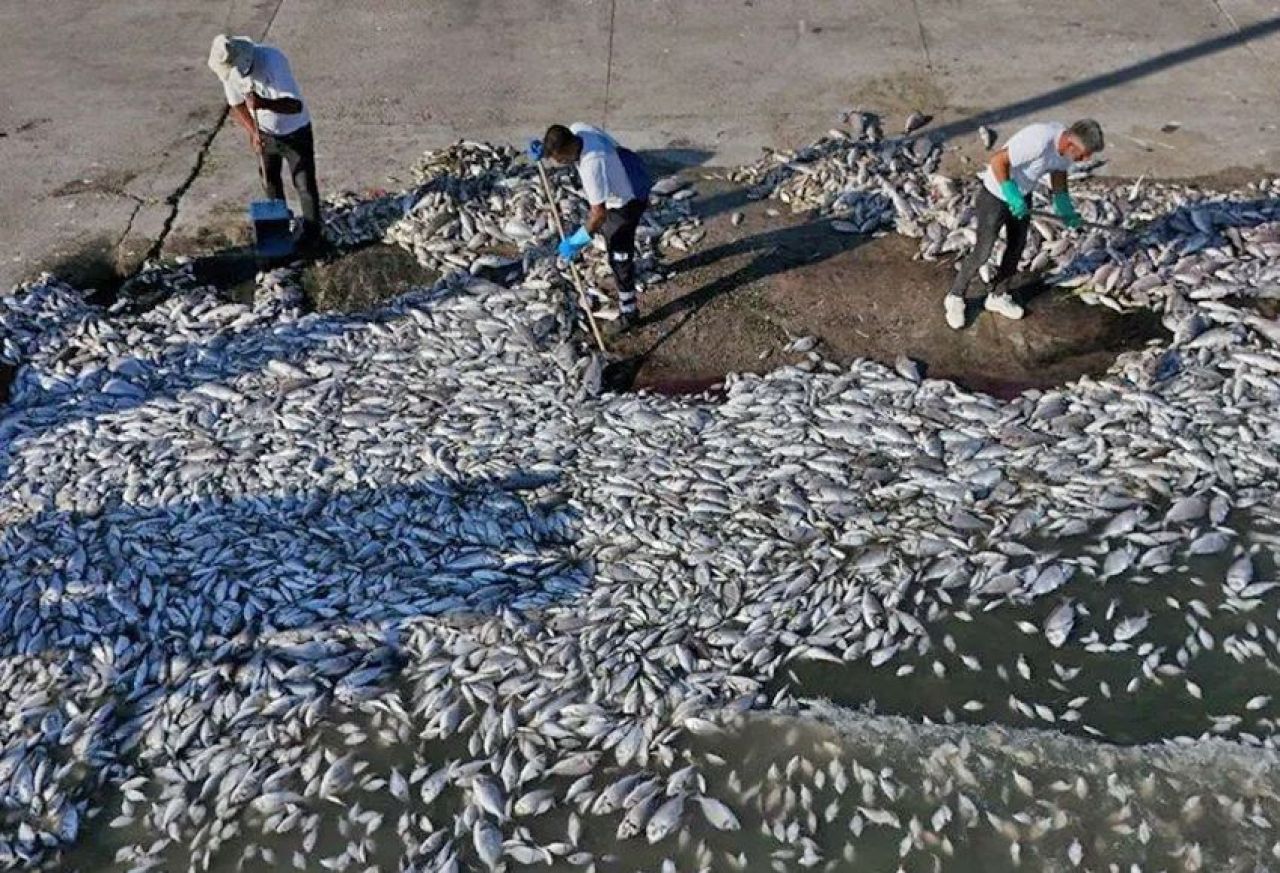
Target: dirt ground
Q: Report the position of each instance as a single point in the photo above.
(363, 279)
(748, 290)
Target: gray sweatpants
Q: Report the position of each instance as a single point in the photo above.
(993, 213)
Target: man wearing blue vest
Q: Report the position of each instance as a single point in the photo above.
(616, 185)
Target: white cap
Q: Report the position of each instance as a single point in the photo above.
(231, 53)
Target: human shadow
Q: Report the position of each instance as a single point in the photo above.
(312, 559)
(773, 252)
(48, 397)
(672, 159)
(721, 202)
(164, 620)
(1103, 81)
(737, 196)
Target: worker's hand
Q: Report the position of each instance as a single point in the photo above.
(252, 102)
(534, 150)
(574, 243)
(1065, 209)
(1014, 200)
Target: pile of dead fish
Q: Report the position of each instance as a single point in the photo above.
(1155, 244)
(30, 316)
(405, 589)
(864, 181)
(475, 206)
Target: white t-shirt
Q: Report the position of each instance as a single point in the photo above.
(1033, 152)
(604, 179)
(269, 77)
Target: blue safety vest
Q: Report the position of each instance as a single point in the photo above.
(637, 173)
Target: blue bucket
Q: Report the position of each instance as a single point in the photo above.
(272, 228)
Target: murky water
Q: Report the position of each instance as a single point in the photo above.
(1008, 754)
(986, 659)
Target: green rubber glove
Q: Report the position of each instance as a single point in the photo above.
(1065, 209)
(1013, 199)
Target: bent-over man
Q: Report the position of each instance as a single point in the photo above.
(1007, 183)
(265, 100)
(616, 185)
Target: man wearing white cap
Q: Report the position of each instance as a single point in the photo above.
(266, 101)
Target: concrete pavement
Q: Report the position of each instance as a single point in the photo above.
(110, 124)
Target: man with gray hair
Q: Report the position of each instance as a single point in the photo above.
(1007, 183)
(266, 101)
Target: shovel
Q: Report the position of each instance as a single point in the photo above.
(272, 221)
(573, 268)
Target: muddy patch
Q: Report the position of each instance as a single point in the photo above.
(754, 287)
(363, 279)
(113, 183)
(96, 265)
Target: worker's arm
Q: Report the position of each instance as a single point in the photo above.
(1062, 204)
(594, 187)
(1002, 169)
(278, 105)
(595, 218)
(241, 116)
(581, 238)
(1000, 166)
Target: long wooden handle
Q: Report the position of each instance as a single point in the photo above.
(262, 159)
(573, 268)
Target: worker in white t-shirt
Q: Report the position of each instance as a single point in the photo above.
(1007, 182)
(266, 101)
(616, 185)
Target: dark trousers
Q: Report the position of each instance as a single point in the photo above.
(299, 149)
(619, 232)
(993, 214)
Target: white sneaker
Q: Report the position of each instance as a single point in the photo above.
(954, 304)
(1002, 304)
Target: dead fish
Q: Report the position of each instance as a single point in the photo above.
(915, 121)
(1130, 627)
(488, 842)
(1058, 625)
(665, 819)
(717, 814)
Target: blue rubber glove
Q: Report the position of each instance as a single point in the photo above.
(574, 243)
(1065, 209)
(1013, 199)
(534, 150)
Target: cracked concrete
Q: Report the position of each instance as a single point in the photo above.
(95, 90)
(175, 199)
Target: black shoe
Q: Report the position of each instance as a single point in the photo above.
(627, 320)
(315, 246)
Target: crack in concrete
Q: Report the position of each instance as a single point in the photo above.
(924, 38)
(137, 207)
(175, 199)
(608, 67)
